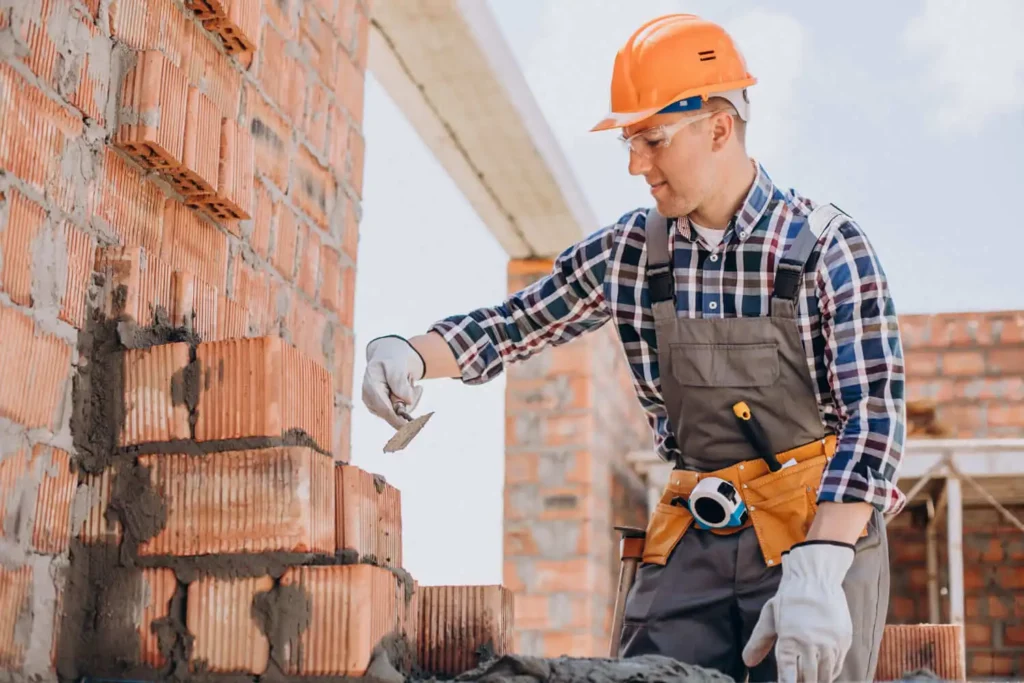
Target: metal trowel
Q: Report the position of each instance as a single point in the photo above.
(406, 432)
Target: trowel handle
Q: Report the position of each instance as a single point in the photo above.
(400, 410)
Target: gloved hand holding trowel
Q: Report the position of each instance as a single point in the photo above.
(393, 366)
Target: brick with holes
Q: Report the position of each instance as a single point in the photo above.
(153, 106)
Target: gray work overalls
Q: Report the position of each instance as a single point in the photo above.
(701, 605)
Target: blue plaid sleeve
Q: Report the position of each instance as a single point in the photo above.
(555, 309)
(864, 357)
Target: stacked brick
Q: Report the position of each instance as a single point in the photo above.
(969, 368)
(178, 235)
(570, 417)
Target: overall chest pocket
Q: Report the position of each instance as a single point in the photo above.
(726, 365)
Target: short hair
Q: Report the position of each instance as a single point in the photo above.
(718, 104)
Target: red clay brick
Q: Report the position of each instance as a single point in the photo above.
(91, 90)
(348, 86)
(130, 205)
(25, 220)
(285, 242)
(37, 487)
(138, 284)
(1006, 360)
(330, 285)
(15, 602)
(344, 356)
(153, 101)
(369, 515)
(207, 9)
(314, 188)
(194, 245)
(963, 363)
(31, 147)
(348, 296)
(342, 433)
(457, 620)
(338, 140)
(36, 366)
(314, 124)
(233, 200)
(282, 499)
(307, 327)
(357, 147)
(353, 608)
(350, 240)
(129, 23)
(42, 52)
(51, 531)
(239, 29)
(912, 647)
(362, 38)
(200, 156)
(253, 291)
(96, 527)
(81, 250)
(319, 45)
(232, 319)
(345, 23)
(288, 93)
(273, 139)
(264, 213)
(282, 14)
(211, 71)
(262, 387)
(309, 261)
(154, 402)
(228, 639)
(195, 305)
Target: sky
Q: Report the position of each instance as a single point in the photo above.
(909, 116)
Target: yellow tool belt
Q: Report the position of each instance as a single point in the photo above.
(780, 505)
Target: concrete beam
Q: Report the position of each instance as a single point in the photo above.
(447, 66)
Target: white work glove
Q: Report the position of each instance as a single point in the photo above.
(807, 619)
(392, 368)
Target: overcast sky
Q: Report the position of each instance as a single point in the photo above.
(908, 115)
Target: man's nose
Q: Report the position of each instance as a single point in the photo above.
(638, 165)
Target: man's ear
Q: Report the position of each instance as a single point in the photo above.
(723, 128)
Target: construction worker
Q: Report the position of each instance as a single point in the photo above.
(764, 347)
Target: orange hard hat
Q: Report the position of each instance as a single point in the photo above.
(674, 63)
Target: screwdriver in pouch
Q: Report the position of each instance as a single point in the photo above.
(755, 434)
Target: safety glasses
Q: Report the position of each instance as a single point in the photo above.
(646, 142)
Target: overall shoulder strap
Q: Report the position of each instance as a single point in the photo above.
(794, 259)
(659, 263)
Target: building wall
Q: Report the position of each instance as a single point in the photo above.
(965, 371)
(993, 585)
(970, 366)
(569, 426)
(189, 176)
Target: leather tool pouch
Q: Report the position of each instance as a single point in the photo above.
(781, 505)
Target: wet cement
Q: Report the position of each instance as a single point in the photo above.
(645, 669)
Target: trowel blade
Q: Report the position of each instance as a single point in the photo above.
(406, 433)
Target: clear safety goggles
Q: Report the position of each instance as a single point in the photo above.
(646, 142)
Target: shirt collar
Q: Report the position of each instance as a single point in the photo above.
(749, 214)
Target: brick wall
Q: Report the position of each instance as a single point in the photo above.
(993, 586)
(180, 188)
(569, 425)
(971, 367)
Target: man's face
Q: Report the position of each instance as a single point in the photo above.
(675, 153)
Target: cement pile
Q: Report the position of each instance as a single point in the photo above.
(645, 669)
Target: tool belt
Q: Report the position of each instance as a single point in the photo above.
(781, 505)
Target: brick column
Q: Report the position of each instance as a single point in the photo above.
(571, 416)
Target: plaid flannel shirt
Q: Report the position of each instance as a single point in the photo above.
(846, 318)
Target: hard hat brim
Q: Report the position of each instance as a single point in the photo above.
(627, 118)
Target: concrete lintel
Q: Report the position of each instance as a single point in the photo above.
(449, 69)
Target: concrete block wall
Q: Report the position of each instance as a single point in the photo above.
(570, 420)
(180, 185)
